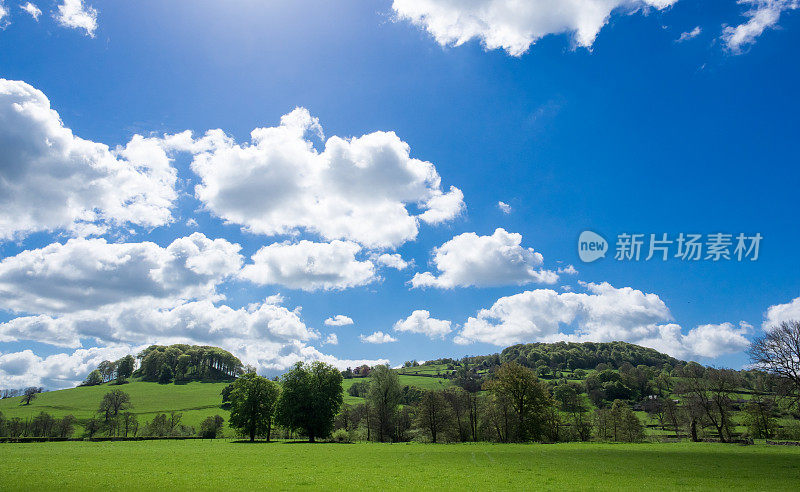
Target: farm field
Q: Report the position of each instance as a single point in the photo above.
(194, 400)
(281, 465)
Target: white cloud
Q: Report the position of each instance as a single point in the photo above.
(32, 9)
(50, 179)
(310, 266)
(191, 222)
(21, 369)
(339, 320)
(779, 313)
(568, 270)
(392, 261)
(377, 337)
(685, 36)
(513, 25)
(356, 189)
(3, 15)
(762, 15)
(504, 207)
(420, 321)
(603, 314)
(74, 14)
(472, 260)
(267, 335)
(331, 339)
(89, 273)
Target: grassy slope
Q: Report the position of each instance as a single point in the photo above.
(221, 464)
(195, 400)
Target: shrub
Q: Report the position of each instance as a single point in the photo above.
(341, 435)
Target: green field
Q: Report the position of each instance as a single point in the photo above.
(230, 465)
(195, 401)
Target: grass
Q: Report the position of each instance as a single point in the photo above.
(194, 400)
(210, 465)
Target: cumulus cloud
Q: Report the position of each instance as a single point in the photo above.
(512, 25)
(51, 179)
(76, 15)
(685, 36)
(762, 15)
(89, 273)
(21, 369)
(392, 261)
(356, 189)
(603, 314)
(3, 15)
(568, 270)
(421, 322)
(504, 207)
(310, 266)
(31, 9)
(339, 320)
(265, 334)
(482, 261)
(331, 339)
(779, 313)
(377, 337)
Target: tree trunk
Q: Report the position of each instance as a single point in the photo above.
(253, 434)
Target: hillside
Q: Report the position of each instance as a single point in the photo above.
(194, 400)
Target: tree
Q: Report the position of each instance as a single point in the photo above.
(253, 399)
(310, 399)
(165, 375)
(30, 393)
(384, 398)
(759, 418)
(433, 414)
(93, 379)
(707, 392)
(125, 367)
(65, 426)
(130, 424)
(92, 426)
(111, 405)
(571, 401)
(107, 370)
(211, 427)
(778, 352)
(528, 398)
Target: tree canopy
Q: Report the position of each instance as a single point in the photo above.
(311, 398)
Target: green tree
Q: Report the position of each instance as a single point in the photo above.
(211, 427)
(165, 376)
(113, 402)
(433, 414)
(528, 397)
(125, 368)
(253, 399)
(93, 378)
(311, 398)
(384, 397)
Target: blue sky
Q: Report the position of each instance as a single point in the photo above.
(635, 132)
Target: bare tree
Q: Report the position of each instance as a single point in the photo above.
(708, 393)
(778, 352)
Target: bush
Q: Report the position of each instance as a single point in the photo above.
(341, 435)
(789, 432)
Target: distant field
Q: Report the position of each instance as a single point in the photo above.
(225, 465)
(195, 401)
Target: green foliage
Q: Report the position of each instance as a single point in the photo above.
(187, 363)
(384, 398)
(528, 398)
(211, 427)
(253, 400)
(93, 379)
(341, 436)
(310, 399)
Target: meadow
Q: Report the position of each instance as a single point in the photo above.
(205, 464)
